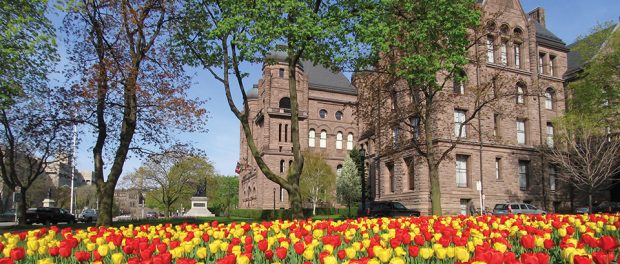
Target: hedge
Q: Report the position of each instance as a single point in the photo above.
(269, 214)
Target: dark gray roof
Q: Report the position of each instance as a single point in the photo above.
(547, 38)
(577, 60)
(321, 78)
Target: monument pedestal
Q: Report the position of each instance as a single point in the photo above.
(199, 207)
(49, 203)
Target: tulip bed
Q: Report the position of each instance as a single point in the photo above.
(483, 239)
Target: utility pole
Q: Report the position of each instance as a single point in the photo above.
(73, 159)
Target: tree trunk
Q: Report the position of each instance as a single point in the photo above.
(313, 208)
(295, 202)
(20, 211)
(433, 171)
(106, 204)
(167, 211)
(590, 202)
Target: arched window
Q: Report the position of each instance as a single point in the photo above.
(323, 140)
(323, 113)
(458, 83)
(339, 169)
(504, 29)
(339, 140)
(549, 94)
(520, 93)
(339, 115)
(350, 141)
(490, 49)
(285, 103)
(311, 137)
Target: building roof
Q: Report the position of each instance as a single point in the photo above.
(547, 38)
(576, 60)
(323, 79)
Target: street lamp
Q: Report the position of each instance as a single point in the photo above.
(362, 157)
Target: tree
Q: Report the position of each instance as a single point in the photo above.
(317, 180)
(222, 36)
(223, 195)
(172, 178)
(27, 48)
(348, 184)
(126, 85)
(587, 156)
(421, 50)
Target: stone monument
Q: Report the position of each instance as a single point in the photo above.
(49, 202)
(199, 203)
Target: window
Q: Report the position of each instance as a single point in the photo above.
(520, 93)
(281, 73)
(323, 113)
(311, 137)
(549, 94)
(281, 194)
(395, 132)
(459, 121)
(409, 162)
(464, 204)
(517, 47)
(286, 133)
(541, 60)
(339, 140)
(281, 166)
(498, 172)
(523, 174)
(552, 69)
(458, 84)
(550, 135)
(521, 132)
(461, 170)
(553, 173)
(323, 140)
(339, 169)
(280, 132)
(285, 103)
(415, 127)
(339, 115)
(490, 50)
(390, 167)
(496, 122)
(350, 141)
(394, 98)
(504, 53)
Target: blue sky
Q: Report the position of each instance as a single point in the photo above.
(566, 18)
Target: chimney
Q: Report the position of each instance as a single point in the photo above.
(538, 14)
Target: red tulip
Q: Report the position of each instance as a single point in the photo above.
(342, 254)
(299, 248)
(529, 258)
(608, 243)
(528, 241)
(414, 251)
(262, 245)
(543, 258)
(419, 240)
(582, 260)
(53, 251)
(228, 259)
(602, 257)
(548, 243)
(82, 256)
(6, 261)
(17, 253)
(269, 254)
(281, 252)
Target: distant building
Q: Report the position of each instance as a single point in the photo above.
(130, 202)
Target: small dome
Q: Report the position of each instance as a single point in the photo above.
(278, 56)
(252, 93)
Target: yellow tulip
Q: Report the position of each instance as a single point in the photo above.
(397, 260)
(243, 259)
(426, 253)
(461, 254)
(500, 247)
(45, 261)
(441, 253)
(385, 255)
(399, 252)
(201, 252)
(117, 258)
(329, 248)
(103, 250)
(351, 252)
(308, 254)
(330, 260)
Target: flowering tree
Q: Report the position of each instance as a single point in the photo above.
(348, 184)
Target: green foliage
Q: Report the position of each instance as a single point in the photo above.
(317, 179)
(596, 93)
(223, 194)
(348, 184)
(27, 47)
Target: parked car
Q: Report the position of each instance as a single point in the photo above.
(387, 209)
(88, 215)
(151, 215)
(8, 216)
(582, 210)
(48, 215)
(516, 208)
(606, 207)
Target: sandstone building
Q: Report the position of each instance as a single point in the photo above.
(497, 151)
(326, 125)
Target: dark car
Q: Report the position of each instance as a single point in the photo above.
(607, 208)
(387, 209)
(8, 216)
(48, 215)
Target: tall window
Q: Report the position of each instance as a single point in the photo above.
(520, 93)
(286, 133)
(549, 94)
(339, 115)
(350, 141)
(281, 73)
(498, 172)
(541, 60)
(517, 54)
(281, 194)
(395, 135)
(459, 82)
(339, 169)
(523, 174)
(323, 113)
(521, 132)
(490, 50)
(281, 166)
(552, 69)
(394, 98)
(459, 120)
(553, 173)
(409, 162)
(339, 140)
(415, 127)
(285, 103)
(392, 183)
(280, 132)
(496, 125)
(311, 137)
(461, 171)
(504, 53)
(323, 140)
(550, 135)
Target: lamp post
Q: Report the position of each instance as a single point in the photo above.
(362, 157)
(274, 203)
